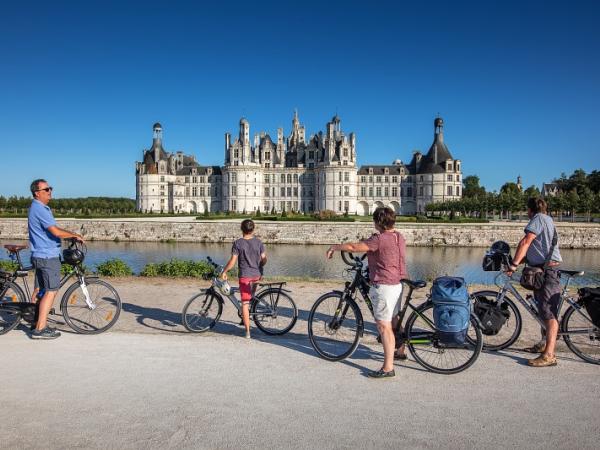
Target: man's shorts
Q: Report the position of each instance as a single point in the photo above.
(548, 297)
(47, 273)
(386, 300)
(246, 287)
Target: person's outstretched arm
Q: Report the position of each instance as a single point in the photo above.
(359, 247)
(229, 266)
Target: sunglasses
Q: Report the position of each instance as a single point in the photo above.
(48, 189)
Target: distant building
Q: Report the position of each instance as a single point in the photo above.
(550, 190)
(295, 174)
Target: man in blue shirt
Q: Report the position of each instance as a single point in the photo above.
(535, 248)
(44, 239)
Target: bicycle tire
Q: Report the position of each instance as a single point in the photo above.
(266, 312)
(199, 308)
(471, 349)
(326, 346)
(80, 317)
(11, 294)
(502, 340)
(589, 332)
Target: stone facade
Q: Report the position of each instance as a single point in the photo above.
(295, 174)
(210, 231)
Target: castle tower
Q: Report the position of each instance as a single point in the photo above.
(245, 140)
(157, 140)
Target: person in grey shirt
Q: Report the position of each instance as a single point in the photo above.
(535, 248)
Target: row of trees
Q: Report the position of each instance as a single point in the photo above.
(578, 193)
(76, 206)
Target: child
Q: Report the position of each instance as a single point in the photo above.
(249, 252)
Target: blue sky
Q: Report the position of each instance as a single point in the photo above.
(81, 83)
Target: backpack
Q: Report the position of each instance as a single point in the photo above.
(451, 309)
(591, 300)
(491, 315)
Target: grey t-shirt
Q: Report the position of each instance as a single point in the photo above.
(543, 227)
(248, 252)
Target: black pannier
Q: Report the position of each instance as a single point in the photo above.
(491, 315)
(492, 262)
(590, 298)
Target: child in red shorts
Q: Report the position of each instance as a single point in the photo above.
(249, 252)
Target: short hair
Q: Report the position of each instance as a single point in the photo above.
(384, 217)
(35, 185)
(537, 205)
(247, 226)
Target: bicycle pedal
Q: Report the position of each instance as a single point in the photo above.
(52, 312)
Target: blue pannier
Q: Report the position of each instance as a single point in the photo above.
(451, 309)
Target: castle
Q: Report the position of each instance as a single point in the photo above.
(294, 174)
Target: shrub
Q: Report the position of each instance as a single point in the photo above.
(66, 269)
(8, 266)
(178, 268)
(114, 268)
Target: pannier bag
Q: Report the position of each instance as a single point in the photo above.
(451, 309)
(491, 315)
(591, 300)
(492, 262)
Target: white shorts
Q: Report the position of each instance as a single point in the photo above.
(386, 300)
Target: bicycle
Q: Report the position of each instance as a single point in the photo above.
(89, 305)
(336, 325)
(271, 308)
(576, 327)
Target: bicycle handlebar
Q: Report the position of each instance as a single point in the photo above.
(351, 260)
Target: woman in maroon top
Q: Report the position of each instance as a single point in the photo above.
(386, 252)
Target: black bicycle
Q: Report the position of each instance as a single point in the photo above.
(336, 325)
(89, 305)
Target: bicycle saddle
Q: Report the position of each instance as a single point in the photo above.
(14, 248)
(416, 284)
(572, 273)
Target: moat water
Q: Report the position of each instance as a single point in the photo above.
(309, 261)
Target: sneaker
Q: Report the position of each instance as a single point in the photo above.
(381, 374)
(543, 361)
(248, 335)
(46, 333)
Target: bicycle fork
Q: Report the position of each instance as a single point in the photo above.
(86, 294)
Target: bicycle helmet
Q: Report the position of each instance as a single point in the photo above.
(73, 256)
(222, 286)
(500, 247)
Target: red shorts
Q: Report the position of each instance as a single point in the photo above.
(246, 287)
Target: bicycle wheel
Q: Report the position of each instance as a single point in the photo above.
(423, 343)
(510, 331)
(274, 312)
(582, 336)
(11, 295)
(105, 310)
(335, 326)
(202, 311)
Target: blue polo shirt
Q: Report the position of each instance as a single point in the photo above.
(43, 243)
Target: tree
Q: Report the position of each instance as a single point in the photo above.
(510, 188)
(586, 202)
(531, 191)
(572, 202)
(471, 187)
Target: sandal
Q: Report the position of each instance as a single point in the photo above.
(539, 347)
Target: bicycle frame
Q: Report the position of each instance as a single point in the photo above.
(529, 302)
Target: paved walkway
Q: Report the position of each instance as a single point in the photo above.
(123, 390)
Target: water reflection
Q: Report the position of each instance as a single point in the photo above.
(292, 260)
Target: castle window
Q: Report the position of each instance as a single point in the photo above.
(236, 153)
(346, 176)
(283, 178)
(378, 191)
(457, 177)
(346, 206)
(449, 166)
(378, 178)
(162, 178)
(346, 191)
(345, 162)
(202, 179)
(267, 155)
(346, 152)
(289, 191)
(267, 191)
(449, 190)
(340, 206)
(202, 191)
(267, 178)
(421, 191)
(289, 178)
(187, 191)
(363, 191)
(340, 176)
(363, 179)
(457, 190)
(386, 179)
(394, 179)
(370, 192)
(233, 205)
(233, 190)
(233, 177)
(386, 191)
(194, 179)
(295, 178)
(458, 167)
(194, 191)
(370, 170)
(339, 190)
(421, 178)
(283, 192)
(187, 179)
(449, 177)
(282, 205)
(274, 191)
(295, 192)
(394, 191)
(370, 178)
